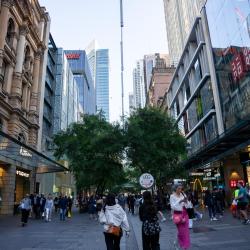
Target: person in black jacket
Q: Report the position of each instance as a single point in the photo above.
(209, 201)
(148, 213)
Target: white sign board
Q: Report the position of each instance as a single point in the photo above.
(146, 180)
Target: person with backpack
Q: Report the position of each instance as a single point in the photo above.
(150, 224)
(115, 221)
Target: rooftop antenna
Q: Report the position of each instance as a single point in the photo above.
(122, 66)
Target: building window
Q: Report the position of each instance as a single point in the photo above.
(21, 138)
(10, 31)
(27, 58)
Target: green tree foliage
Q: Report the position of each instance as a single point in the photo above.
(154, 144)
(94, 149)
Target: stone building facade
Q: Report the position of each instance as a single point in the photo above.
(24, 33)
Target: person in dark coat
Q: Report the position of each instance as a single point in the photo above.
(209, 201)
(63, 204)
(148, 212)
(42, 205)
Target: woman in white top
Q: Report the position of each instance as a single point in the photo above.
(179, 203)
(48, 208)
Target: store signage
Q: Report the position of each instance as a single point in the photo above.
(146, 180)
(73, 56)
(233, 183)
(25, 152)
(196, 174)
(21, 173)
(240, 64)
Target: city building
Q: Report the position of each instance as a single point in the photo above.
(149, 63)
(102, 81)
(159, 84)
(209, 98)
(180, 16)
(60, 111)
(139, 85)
(24, 34)
(131, 103)
(79, 65)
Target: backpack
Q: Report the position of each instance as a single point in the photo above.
(151, 227)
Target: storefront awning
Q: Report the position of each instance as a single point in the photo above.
(232, 141)
(14, 152)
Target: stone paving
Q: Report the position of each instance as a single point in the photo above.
(80, 233)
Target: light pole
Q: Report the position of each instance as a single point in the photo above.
(122, 66)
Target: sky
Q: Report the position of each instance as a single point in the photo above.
(75, 23)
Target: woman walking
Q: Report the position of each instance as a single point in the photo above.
(48, 208)
(179, 202)
(150, 225)
(25, 206)
(115, 221)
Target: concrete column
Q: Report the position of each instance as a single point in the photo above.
(20, 49)
(8, 190)
(41, 29)
(214, 82)
(25, 96)
(8, 83)
(4, 16)
(35, 84)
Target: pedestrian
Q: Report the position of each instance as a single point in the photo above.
(92, 207)
(63, 203)
(42, 205)
(243, 202)
(209, 202)
(122, 201)
(25, 206)
(190, 210)
(115, 221)
(56, 204)
(150, 224)
(179, 203)
(48, 208)
(70, 204)
(137, 203)
(132, 204)
(159, 206)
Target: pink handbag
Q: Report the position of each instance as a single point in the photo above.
(179, 218)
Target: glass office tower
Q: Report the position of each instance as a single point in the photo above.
(102, 81)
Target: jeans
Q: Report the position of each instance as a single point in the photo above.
(25, 216)
(112, 241)
(211, 211)
(62, 213)
(150, 242)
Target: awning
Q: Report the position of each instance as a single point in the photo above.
(231, 141)
(21, 155)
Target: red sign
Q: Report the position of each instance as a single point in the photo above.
(72, 56)
(233, 183)
(237, 66)
(246, 56)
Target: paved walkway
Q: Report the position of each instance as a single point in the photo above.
(80, 233)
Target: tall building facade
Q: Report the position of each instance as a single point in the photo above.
(209, 98)
(131, 103)
(139, 85)
(159, 83)
(24, 33)
(79, 65)
(102, 81)
(180, 16)
(60, 111)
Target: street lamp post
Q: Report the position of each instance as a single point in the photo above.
(122, 66)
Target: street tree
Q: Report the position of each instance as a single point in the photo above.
(94, 149)
(154, 144)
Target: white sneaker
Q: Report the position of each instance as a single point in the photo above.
(215, 219)
(164, 219)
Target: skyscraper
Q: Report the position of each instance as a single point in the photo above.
(180, 16)
(131, 103)
(80, 67)
(102, 81)
(139, 85)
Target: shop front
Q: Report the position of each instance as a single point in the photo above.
(19, 165)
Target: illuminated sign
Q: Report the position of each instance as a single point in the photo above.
(25, 152)
(23, 174)
(73, 56)
(233, 183)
